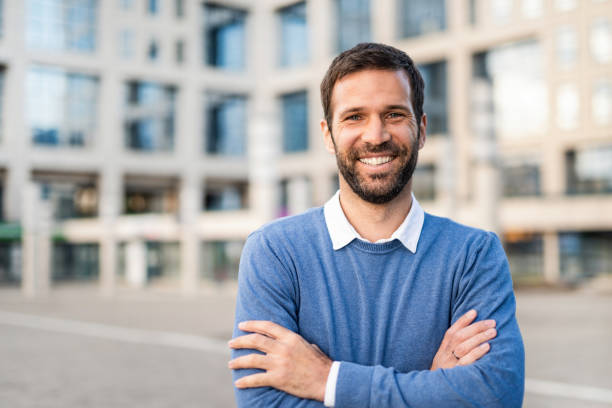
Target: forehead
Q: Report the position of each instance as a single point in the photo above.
(371, 88)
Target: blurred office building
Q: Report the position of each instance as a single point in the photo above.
(141, 141)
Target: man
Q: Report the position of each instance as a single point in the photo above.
(369, 302)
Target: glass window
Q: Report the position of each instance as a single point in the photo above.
(179, 51)
(1, 109)
(221, 260)
(224, 195)
(424, 182)
(600, 40)
(153, 51)
(70, 196)
(179, 8)
(126, 4)
(435, 105)
(150, 195)
(72, 261)
(421, 17)
(226, 130)
(61, 107)
(62, 25)
(10, 261)
(589, 170)
(585, 254)
(566, 47)
(152, 6)
(565, 5)
(568, 106)
(1, 18)
(352, 22)
(532, 8)
(518, 90)
(525, 255)
(225, 37)
(163, 260)
(295, 121)
(149, 116)
(602, 102)
(520, 177)
(126, 44)
(294, 35)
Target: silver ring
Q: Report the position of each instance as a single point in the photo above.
(454, 355)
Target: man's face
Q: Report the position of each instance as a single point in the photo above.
(374, 133)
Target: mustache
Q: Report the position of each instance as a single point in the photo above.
(387, 147)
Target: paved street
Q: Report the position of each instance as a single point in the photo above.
(76, 348)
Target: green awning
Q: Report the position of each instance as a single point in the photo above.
(10, 232)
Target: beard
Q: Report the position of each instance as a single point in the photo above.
(379, 188)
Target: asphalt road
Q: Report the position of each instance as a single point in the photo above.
(75, 348)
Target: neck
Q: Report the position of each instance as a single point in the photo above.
(375, 221)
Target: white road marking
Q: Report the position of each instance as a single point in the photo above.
(129, 335)
(187, 341)
(563, 390)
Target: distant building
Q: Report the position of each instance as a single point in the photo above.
(141, 141)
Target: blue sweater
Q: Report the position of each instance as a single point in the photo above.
(383, 311)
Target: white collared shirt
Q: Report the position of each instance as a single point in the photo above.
(342, 233)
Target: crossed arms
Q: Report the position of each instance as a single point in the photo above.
(289, 371)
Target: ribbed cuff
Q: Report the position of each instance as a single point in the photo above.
(353, 385)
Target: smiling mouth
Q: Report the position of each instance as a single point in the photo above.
(376, 161)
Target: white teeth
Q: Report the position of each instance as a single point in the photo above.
(374, 161)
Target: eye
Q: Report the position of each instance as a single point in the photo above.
(395, 115)
(354, 116)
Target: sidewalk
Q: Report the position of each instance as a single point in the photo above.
(77, 348)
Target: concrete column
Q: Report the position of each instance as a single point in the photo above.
(189, 243)
(486, 166)
(36, 242)
(384, 20)
(552, 257)
(136, 263)
(298, 192)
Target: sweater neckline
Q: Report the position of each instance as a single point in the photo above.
(371, 247)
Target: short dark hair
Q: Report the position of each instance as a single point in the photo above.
(371, 56)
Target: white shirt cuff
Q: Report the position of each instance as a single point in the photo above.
(330, 386)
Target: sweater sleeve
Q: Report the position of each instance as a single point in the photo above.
(496, 380)
(267, 290)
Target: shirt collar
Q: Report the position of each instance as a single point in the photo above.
(342, 232)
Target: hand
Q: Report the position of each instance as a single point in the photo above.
(464, 343)
(292, 364)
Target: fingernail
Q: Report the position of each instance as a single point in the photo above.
(485, 346)
(241, 325)
(491, 323)
(491, 332)
(472, 313)
(230, 343)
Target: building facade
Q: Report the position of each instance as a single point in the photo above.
(141, 141)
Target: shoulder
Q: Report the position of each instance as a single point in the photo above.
(463, 238)
(294, 230)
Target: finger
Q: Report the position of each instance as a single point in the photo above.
(474, 329)
(474, 341)
(463, 321)
(253, 380)
(253, 360)
(252, 341)
(475, 354)
(268, 328)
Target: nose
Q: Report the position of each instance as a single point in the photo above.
(375, 131)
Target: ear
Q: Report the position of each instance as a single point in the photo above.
(423, 127)
(327, 137)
